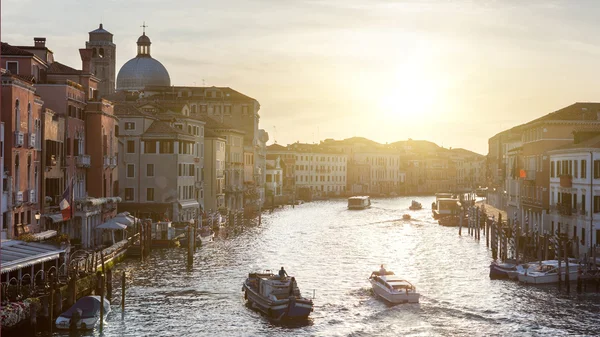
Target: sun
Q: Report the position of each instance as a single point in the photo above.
(410, 95)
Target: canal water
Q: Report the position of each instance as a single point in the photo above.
(332, 251)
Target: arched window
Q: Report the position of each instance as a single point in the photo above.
(17, 115)
(29, 117)
(101, 52)
(193, 109)
(17, 173)
(29, 172)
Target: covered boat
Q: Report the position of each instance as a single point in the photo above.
(276, 297)
(501, 270)
(392, 288)
(206, 235)
(359, 202)
(546, 273)
(83, 315)
(406, 216)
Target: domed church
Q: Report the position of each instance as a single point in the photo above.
(142, 70)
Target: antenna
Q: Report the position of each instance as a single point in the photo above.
(275, 131)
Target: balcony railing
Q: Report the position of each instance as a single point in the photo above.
(106, 161)
(32, 197)
(565, 209)
(19, 197)
(113, 162)
(83, 160)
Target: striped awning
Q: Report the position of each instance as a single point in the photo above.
(15, 254)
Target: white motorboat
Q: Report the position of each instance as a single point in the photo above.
(547, 272)
(85, 314)
(393, 289)
(415, 206)
(206, 235)
(359, 202)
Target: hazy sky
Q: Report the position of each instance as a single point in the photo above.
(453, 72)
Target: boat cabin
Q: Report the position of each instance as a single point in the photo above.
(273, 287)
(446, 207)
(359, 202)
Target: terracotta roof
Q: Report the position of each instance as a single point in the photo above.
(164, 128)
(213, 124)
(12, 50)
(276, 147)
(59, 68)
(576, 111)
(125, 109)
(210, 133)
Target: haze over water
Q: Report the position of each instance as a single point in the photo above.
(333, 251)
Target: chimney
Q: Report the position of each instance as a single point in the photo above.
(86, 60)
(40, 42)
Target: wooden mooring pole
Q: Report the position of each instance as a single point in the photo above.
(190, 252)
(567, 281)
(123, 293)
(109, 284)
(51, 316)
(102, 304)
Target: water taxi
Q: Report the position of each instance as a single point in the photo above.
(445, 207)
(546, 273)
(277, 297)
(415, 206)
(359, 202)
(392, 288)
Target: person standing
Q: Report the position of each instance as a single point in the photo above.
(282, 273)
(382, 271)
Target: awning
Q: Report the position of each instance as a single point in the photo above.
(45, 235)
(113, 225)
(189, 204)
(16, 254)
(56, 218)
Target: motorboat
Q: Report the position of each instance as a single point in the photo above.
(415, 206)
(359, 202)
(277, 297)
(445, 207)
(406, 217)
(392, 288)
(83, 315)
(548, 273)
(500, 270)
(451, 221)
(206, 235)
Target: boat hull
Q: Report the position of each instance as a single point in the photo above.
(359, 207)
(501, 271)
(290, 308)
(415, 208)
(395, 298)
(539, 278)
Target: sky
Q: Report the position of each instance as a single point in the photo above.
(452, 72)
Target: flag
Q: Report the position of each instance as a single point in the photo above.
(66, 207)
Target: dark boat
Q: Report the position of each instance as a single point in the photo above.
(499, 271)
(415, 206)
(278, 298)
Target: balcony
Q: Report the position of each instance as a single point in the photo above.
(113, 162)
(83, 161)
(564, 209)
(529, 175)
(106, 161)
(566, 181)
(31, 141)
(19, 138)
(32, 197)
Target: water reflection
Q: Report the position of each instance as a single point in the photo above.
(333, 251)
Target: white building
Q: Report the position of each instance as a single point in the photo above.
(575, 194)
(321, 170)
(274, 178)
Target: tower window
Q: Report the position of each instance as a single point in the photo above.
(101, 52)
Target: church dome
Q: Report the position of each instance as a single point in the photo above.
(143, 70)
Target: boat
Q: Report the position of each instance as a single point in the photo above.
(392, 288)
(359, 202)
(501, 270)
(277, 297)
(85, 314)
(481, 192)
(451, 221)
(415, 206)
(206, 235)
(546, 273)
(445, 207)
(406, 217)
(164, 235)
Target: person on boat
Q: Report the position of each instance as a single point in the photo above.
(282, 273)
(382, 271)
(292, 286)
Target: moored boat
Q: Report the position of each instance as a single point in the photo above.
(206, 235)
(547, 273)
(277, 297)
(359, 202)
(500, 271)
(392, 288)
(83, 315)
(406, 217)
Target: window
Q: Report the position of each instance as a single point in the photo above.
(166, 146)
(583, 203)
(596, 169)
(130, 171)
(130, 146)
(551, 169)
(575, 169)
(12, 66)
(227, 109)
(583, 169)
(150, 170)
(245, 110)
(582, 234)
(597, 204)
(129, 194)
(129, 126)
(149, 194)
(150, 147)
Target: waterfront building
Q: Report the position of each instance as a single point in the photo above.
(214, 198)
(574, 197)
(320, 171)
(4, 200)
(288, 166)
(21, 114)
(103, 59)
(274, 180)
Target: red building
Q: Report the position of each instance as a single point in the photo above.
(21, 109)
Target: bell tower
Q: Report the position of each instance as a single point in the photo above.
(103, 59)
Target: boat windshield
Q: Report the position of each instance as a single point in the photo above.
(356, 201)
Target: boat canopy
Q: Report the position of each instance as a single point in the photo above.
(89, 306)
